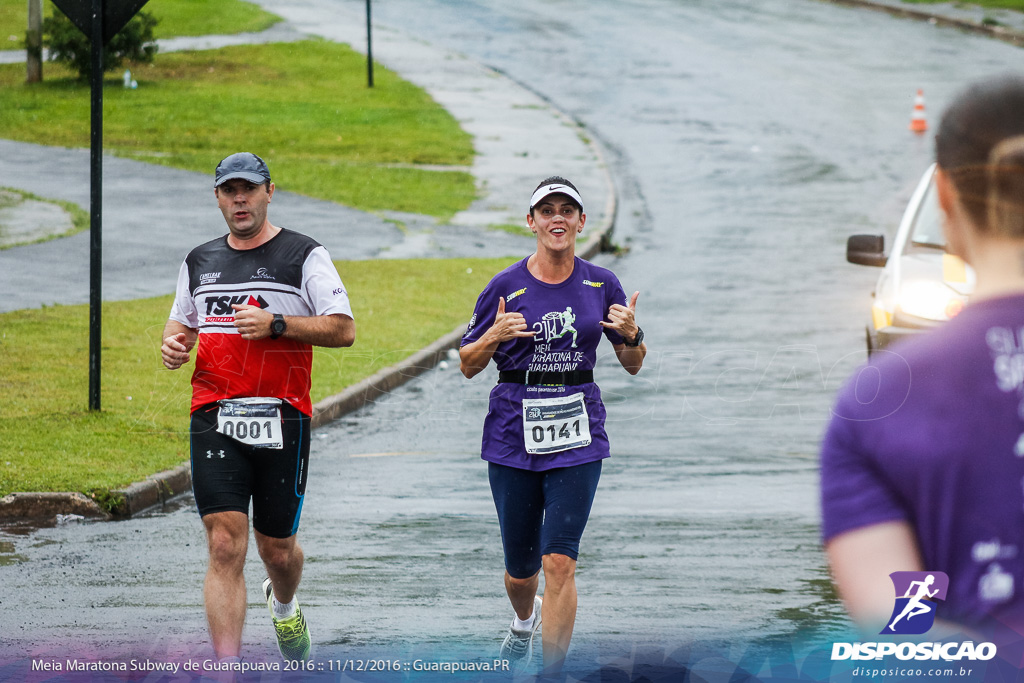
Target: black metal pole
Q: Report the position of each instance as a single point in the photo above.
(369, 48)
(96, 208)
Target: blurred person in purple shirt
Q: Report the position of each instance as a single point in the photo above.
(922, 465)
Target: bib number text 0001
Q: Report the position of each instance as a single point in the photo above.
(251, 422)
(557, 424)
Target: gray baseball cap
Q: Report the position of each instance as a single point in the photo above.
(245, 165)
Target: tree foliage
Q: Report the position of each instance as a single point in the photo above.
(68, 45)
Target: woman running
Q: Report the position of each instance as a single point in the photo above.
(541, 321)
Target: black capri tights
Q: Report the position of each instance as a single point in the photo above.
(542, 512)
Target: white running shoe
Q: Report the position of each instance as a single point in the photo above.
(517, 647)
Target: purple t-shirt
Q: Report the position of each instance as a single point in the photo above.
(566, 317)
(931, 432)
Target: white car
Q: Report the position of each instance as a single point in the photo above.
(921, 285)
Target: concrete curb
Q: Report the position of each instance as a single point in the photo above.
(1003, 33)
(138, 497)
(153, 491)
(17, 507)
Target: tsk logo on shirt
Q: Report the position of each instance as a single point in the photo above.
(221, 305)
(916, 593)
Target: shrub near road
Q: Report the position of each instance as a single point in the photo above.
(303, 106)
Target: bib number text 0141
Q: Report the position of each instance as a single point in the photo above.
(557, 424)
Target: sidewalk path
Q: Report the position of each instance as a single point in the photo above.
(153, 215)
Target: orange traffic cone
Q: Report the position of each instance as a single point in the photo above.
(918, 122)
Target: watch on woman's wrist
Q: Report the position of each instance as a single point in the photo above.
(636, 340)
(277, 326)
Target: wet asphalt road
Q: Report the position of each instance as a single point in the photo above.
(748, 140)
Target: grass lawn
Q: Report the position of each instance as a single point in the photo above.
(206, 17)
(51, 442)
(304, 107)
(177, 18)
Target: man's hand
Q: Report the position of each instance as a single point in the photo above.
(174, 350)
(252, 321)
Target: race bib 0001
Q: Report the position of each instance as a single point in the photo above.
(253, 421)
(557, 424)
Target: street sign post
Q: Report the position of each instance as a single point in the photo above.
(113, 15)
(100, 20)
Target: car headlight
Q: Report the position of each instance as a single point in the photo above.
(929, 300)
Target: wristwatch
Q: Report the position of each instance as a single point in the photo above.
(277, 326)
(636, 341)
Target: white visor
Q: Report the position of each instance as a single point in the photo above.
(555, 188)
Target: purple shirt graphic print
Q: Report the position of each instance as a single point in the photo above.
(566, 319)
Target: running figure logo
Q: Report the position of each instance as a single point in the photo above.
(550, 325)
(914, 611)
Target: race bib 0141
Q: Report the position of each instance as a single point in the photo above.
(556, 424)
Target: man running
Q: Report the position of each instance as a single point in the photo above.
(258, 298)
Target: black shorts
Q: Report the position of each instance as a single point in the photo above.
(226, 473)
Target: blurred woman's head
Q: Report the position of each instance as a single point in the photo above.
(980, 150)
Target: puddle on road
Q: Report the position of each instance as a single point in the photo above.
(7, 555)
